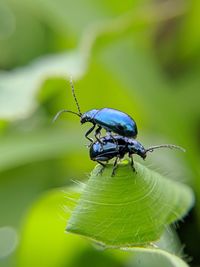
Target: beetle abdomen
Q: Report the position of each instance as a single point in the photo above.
(105, 152)
(116, 121)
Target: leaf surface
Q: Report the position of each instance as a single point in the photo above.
(130, 209)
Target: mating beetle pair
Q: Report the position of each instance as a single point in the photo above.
(111, 146)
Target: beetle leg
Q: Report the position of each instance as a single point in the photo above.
(113, 138)
(115, 166)
(103, 166)
(88, 132)
(98, 134)
(132, 162)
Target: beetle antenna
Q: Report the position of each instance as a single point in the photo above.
(152, 148)
(62, 111)
(74, 95)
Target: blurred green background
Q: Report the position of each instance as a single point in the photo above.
(141, 57)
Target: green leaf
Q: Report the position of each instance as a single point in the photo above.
(43, 241)
(129, 209)
(155, 258)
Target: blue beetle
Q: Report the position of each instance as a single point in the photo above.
(116, 148)
(111, 120)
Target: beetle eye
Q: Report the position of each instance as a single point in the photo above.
(83, 120)
(144, 156)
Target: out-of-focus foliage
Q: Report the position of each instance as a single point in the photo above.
(142, 57)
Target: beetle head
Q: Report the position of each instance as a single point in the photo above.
(136, 148)
(88, 116)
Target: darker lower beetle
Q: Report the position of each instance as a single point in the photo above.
(111, 120)
(118, 146)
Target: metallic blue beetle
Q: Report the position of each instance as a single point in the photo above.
(117, 147)
(111, 120)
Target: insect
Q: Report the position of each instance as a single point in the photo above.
(111, 120)
(120, 146)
